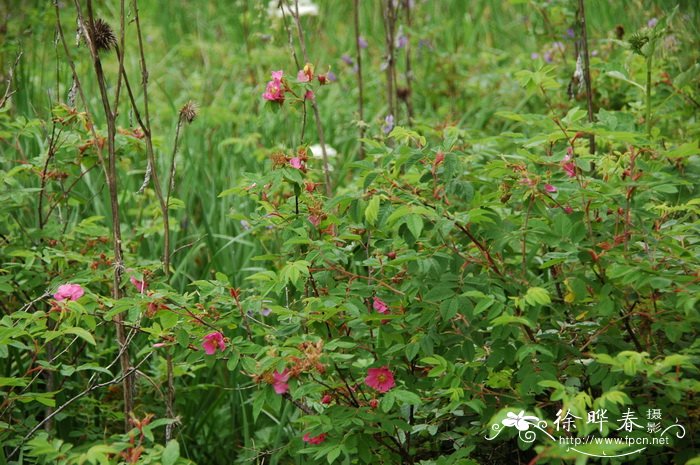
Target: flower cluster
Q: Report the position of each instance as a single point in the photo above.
(277, 87)
(274, 92)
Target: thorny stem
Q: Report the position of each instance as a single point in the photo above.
(360, 86)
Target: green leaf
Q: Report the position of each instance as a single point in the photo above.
(407, 397)
(537, 296)
(415, 225)
(332, 454)
(372, 210)
(171, 452)
(81, 333)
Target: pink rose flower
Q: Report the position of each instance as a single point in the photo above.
(69, 292)
(296, 163)
(379, 305)
(314, 440)
(274, 91)
(567, 164)
(326, 399)
(140, 285)
(212, 341)
(380, 379)
(309, 95)
(550, 188)
(280, 381)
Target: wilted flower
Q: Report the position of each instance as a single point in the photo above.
(314, 440)
(69, 292)
(280, 381)
(189, 112)
(568, 165)
(212, 341)
(102, 35)
(380, 379)
(379, 305)
(315, 220)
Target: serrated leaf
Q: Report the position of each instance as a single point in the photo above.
(372, 210)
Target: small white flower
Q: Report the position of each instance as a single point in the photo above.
(520, 421)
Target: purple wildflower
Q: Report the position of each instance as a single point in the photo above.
(388, 124)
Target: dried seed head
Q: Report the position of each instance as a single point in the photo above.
(102, 35)
(189, 112)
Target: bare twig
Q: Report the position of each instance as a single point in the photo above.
(80, 395)
(10, 76)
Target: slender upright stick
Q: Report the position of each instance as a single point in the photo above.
(586, 70)
(389, 14)
(149, 145)
(111, 170)
(650, 62)
(360, 87)
(408, 94)
(314, 106)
